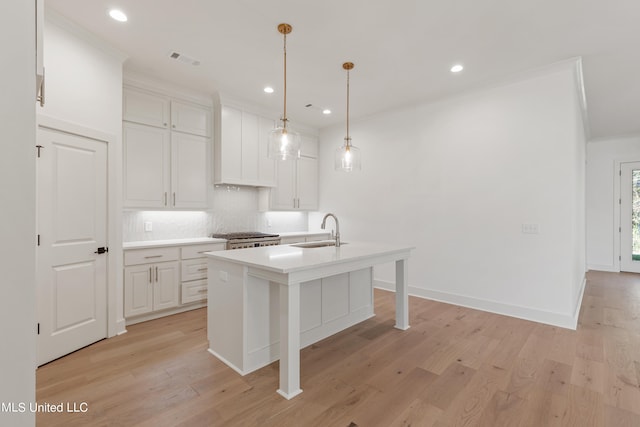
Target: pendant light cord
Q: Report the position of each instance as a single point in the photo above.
(348, 137)
(284, 117)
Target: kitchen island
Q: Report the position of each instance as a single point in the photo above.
(267, 303)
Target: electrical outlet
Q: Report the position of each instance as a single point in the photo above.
(530, 228)
(148, 226)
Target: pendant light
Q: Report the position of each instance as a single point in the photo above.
(347, 158)
(284, 143)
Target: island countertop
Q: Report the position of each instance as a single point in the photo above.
(286, 259)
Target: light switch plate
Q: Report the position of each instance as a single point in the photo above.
(148, 226)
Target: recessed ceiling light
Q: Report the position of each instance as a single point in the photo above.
(118, 15)
(457, 68)
(326, 111)
(268, 89)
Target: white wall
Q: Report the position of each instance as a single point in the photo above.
(458, 178)
(17, 215)
(603, 191)
(84, 87)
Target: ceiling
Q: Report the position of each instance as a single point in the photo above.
(402, 49)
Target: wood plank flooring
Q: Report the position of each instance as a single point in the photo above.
(454, 367)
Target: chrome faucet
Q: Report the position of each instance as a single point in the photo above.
(324, 223)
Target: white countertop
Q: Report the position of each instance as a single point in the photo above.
(288, 258)
(201, 240)
(171, 242)
(303, 233)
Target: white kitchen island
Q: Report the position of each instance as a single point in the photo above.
(267, 303)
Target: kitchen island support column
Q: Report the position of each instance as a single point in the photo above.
(402, 294)
(289, 340)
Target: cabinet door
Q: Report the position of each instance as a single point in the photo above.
(307, 183)
(283, 195)
(229, 148)
(250, 153)
(138, 290)
(166, 285)
(188, 171)
(145, 107)
(190, 118)
(266, 166)
(146, 166)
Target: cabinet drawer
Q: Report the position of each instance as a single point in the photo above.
(196, 251)
(194, 291)
(193, 269)
(146, 256)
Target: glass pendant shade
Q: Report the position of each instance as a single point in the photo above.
(284, 144)
(347, 158)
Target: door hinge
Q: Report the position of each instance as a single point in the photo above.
(38, 328)
(39, 147)
(38, 240)
(620, 172)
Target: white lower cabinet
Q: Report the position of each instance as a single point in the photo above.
(165, 280)
(248, 306)
(194, 271)
(150, 287)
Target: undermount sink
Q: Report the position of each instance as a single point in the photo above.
(318, 244)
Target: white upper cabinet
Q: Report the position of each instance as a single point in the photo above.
(240, 154)
(190, 119)
(297, 182)
(145, 108)
(165, 151)
(188, 171)
(146, 166)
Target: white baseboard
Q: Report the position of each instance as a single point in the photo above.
(541, 316)
(226, 362)
(600, 267)
(121, 327)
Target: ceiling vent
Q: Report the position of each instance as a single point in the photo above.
(183, 58)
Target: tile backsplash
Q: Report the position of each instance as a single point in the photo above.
(233, 209)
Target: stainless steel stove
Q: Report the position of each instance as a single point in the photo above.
(248, 239)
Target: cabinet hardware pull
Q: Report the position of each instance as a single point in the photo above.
(165, 124)
(202, 269)
(156, 274)
(40, 97)
(153, 256)
(165, 198)
(174, 198)
(202, 291)
(150, 275)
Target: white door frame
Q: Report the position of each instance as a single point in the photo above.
(115, 317)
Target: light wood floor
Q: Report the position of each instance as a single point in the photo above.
(455, 366)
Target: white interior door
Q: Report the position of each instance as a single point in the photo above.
(72, 225)
(630, 217)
